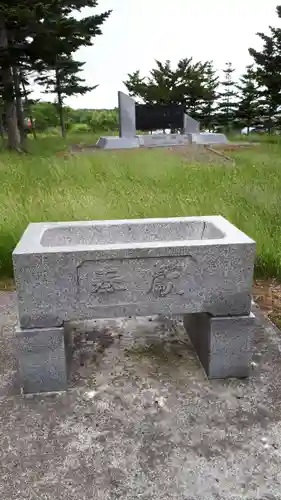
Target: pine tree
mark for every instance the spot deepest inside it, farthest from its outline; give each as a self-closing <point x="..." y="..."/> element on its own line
<point x="190" y="84"/>
<point x="7" y="84"/>
<point x="228" y="98"/>
<point x="33" y="33"/>
<point x="268" y="77"/>
<point x="185" y="85"/>
<point x="268" y="63"/>
<point x="249" y="101"/>
<point x="63" y="80"/>
<point x="137" y="86"/>
<point x="207" y="109"/>
<point x="17" y="21"/>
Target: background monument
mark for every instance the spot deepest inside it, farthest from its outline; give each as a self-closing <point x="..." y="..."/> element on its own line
<point x="127" y="115"/>
<point x="144" y="117"/>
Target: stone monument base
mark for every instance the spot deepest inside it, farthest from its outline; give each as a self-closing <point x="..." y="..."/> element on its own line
<point x="160" y="140"/>
<point x="115" y="142"/>
<point x="208" y="138"/>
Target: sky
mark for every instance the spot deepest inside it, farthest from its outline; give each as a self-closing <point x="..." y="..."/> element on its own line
<point x="140" y="31"/>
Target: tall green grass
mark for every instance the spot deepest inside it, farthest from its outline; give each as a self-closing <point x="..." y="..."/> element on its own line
<point x="43" y="186"/>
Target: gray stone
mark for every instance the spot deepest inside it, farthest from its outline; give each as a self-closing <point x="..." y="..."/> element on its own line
<point x="106" y="439"/>
<point x="146" y="140"/>
<point x="208" y="138"/>
<point x="223" y="345"/>
<point x="101" y="269"/>
<point x="162" y="140"/>
<point x="127" y="115"/>
<point x="41" y="357"/>
<point x="114" y="142"/>
<point x="190" y="126"/>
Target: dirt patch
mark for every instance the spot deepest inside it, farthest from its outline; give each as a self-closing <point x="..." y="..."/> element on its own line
<point x="199" y="153"/>
<point x="7" y="285"/>
<point x="267" y="294"/>
<point x="236" y="146"/>
<point x="217" y="154"/>
<point x="196" y="153"/>
<point x="83" y="148"/>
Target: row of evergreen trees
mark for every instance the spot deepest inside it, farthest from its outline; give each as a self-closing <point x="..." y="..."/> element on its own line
<point x="37" y="43"/>
<point x="254" y="100"/>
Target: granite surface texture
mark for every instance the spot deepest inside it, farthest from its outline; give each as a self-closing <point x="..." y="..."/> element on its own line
<point x="41" y="357"/>
<point x="127" y="115"/>
<point x="208" y="138"/>
<point x="190" y="125"/>
<point x="114" y="142"/>
<point x="140" y="419"/>
<point x="223" y="345"/>
<point x="203" y="264"/>
<point x="163" y="140"/>
<point x="160" y="140"/>
<point x="101" y="269"/>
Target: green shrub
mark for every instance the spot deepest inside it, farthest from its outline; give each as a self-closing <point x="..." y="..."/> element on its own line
<point x="80" y="127"/>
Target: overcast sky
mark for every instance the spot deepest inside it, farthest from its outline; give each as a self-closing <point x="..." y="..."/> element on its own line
<point x="140" y="31"/>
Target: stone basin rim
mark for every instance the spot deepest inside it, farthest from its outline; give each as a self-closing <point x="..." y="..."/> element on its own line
<point x="41" y="237"/>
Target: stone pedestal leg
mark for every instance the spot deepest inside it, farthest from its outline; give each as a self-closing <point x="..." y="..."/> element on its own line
<point x="41" y="356"/>
<point x="223" y="344"/>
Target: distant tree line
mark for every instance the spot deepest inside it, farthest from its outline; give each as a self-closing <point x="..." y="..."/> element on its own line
<point x="255" y="99"/>
<point x="38" y="41"/>
<point x="46" y="118"/>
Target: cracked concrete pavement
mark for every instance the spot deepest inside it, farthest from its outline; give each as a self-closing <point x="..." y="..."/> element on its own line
<point x="140" y="419"/>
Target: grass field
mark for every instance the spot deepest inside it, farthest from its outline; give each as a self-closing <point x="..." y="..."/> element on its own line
<point x="44" y="186"/>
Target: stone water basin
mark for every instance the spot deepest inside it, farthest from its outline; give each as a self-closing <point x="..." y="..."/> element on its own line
<point x="97" y="269"/>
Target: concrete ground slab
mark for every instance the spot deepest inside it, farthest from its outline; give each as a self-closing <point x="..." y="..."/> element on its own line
<point x="140" y="419"/>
